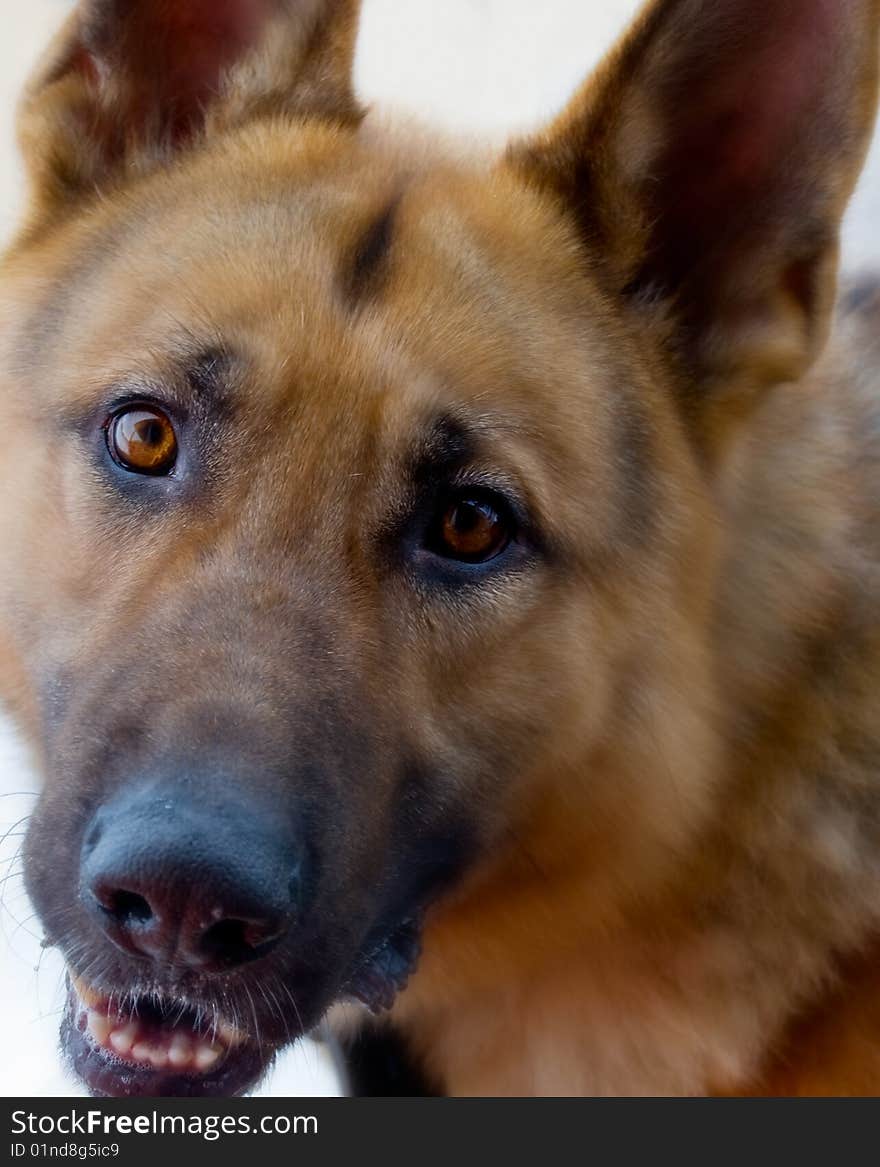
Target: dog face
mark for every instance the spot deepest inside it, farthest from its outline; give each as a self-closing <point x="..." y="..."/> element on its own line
<point x="359" y="522"/>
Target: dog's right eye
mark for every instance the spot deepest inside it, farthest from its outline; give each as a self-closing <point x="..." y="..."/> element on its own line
<point x="142" y="440"/>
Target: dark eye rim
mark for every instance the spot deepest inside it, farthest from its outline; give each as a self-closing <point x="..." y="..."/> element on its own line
<point x="130" y="405"/>
<point x="434" y="544"/>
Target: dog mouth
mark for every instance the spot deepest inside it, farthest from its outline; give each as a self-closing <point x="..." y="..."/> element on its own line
<point x="153" y="1046"/>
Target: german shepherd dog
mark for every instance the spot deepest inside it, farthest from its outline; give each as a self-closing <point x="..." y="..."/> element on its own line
<point x="442" y="592"/>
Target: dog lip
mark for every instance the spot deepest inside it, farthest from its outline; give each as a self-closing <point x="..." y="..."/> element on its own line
<point x="145" y="1052"/>
<point x="132" y="1053"/>
<point x="386" y="967"/>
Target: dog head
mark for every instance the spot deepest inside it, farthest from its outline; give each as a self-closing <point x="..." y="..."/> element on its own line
<point x="358" y="517"/>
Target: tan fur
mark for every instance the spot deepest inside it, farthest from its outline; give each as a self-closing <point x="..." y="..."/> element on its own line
<point x="681" y="889"/>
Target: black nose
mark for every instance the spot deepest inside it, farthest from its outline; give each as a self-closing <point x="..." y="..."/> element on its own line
<point x="189" y="885"/>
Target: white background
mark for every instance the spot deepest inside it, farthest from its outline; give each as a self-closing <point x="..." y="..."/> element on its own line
<point x="482" y="66"/>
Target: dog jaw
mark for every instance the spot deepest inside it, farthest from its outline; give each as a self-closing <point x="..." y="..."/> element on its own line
<point x="151" y="1046"/>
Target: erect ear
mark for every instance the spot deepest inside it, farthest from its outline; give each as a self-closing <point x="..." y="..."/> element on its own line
<point x="128" y="82"/>
<point x="709" y="163"/>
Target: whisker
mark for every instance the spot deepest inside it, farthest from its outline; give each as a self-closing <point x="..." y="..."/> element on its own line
<point x="250" y="998"/>
<point x="21" y="926"/>
<point x="9" y="833"/>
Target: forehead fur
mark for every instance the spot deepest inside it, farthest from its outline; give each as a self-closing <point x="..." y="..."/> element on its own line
<point x="263" y="233"/>
<point x="249" y="247"/>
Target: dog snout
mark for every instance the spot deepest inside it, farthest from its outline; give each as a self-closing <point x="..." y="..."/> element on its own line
<point x="184" y="885"/>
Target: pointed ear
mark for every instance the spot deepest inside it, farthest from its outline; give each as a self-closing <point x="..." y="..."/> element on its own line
<point x="129" y="82"/>
<point x="708" y="165"/>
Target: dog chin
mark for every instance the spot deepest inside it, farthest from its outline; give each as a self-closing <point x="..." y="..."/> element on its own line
<point x="125" y="1044"/>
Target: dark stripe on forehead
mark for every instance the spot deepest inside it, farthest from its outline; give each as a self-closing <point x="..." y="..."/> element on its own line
<point x="367" y="267"/>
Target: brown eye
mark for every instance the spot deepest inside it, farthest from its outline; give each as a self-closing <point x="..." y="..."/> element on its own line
<point x="473" y="530"/>
<point x="142" y="439"/>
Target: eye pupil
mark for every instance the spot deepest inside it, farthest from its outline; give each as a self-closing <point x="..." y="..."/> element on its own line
<point x="149" y="432"/>
<point x="141" y="439"/>
<point x="466" y="517"/>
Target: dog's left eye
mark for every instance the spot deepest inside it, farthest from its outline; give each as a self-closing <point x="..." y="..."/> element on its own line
<point x="472" y="528"/>
<point x="142" y="440"/>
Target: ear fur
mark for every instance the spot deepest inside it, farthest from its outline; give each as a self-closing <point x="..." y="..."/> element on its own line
<point x="708" y="165"/>
<point x="128" y="83"/>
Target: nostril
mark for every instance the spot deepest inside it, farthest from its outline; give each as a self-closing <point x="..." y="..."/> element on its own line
<point x="238" y="941"/>
<point x="126" y="907"/>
